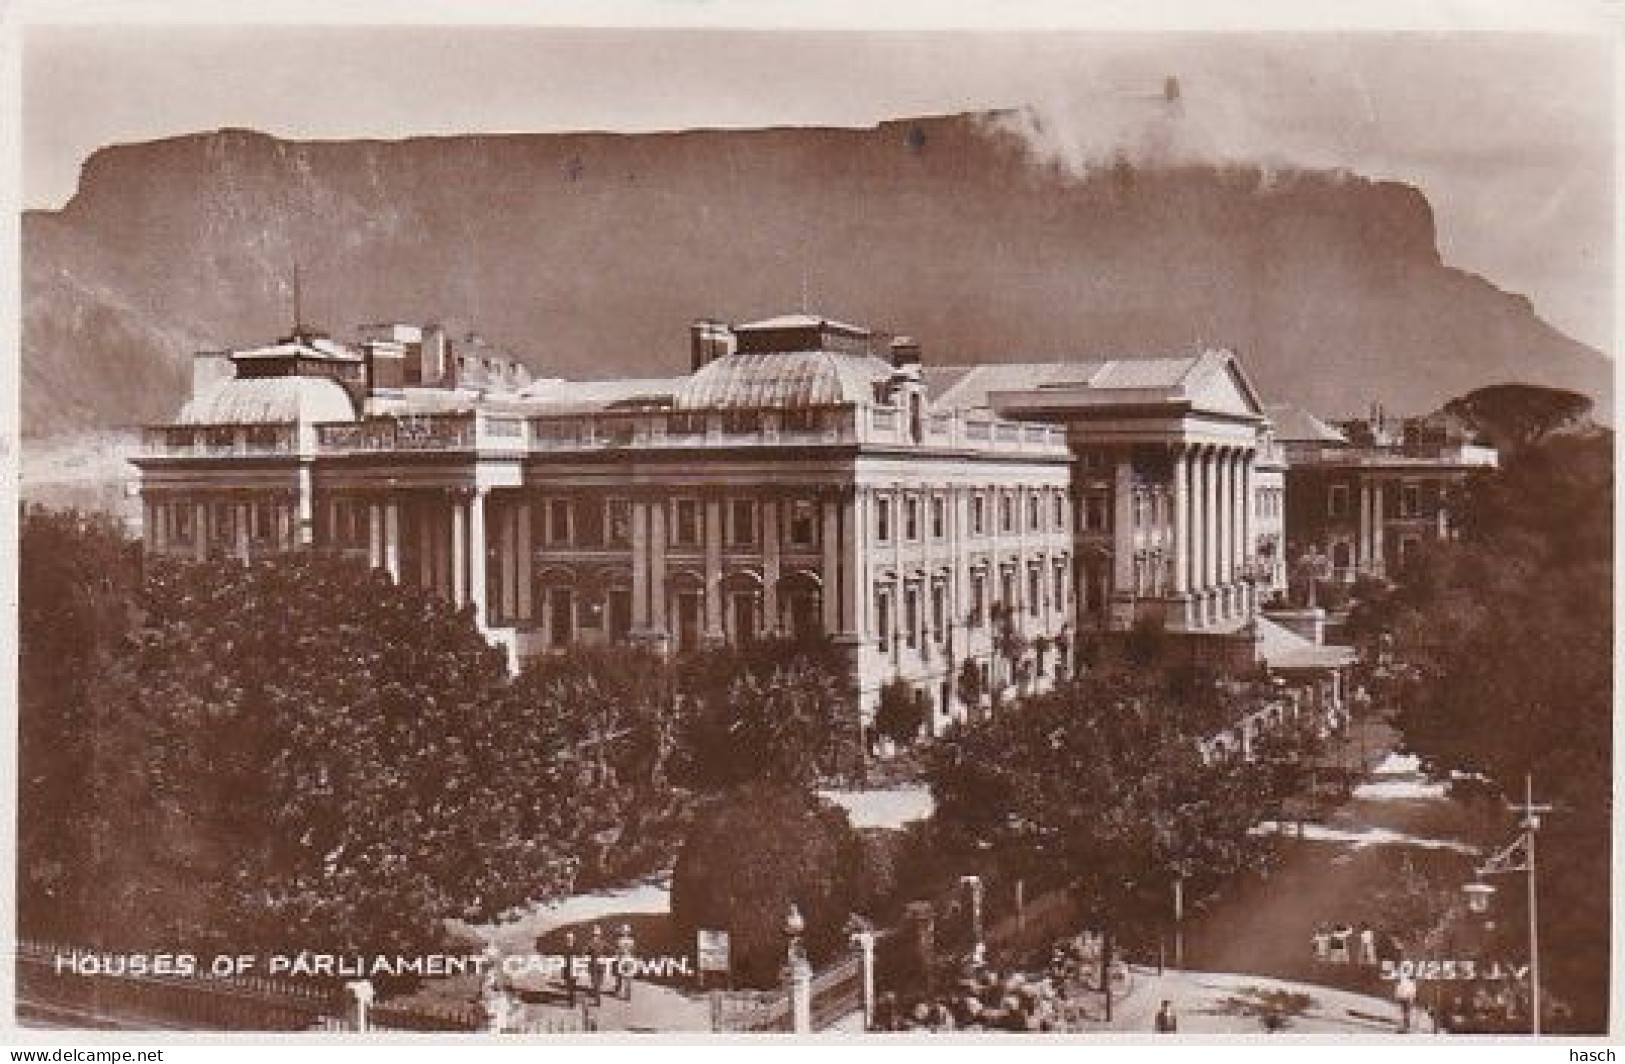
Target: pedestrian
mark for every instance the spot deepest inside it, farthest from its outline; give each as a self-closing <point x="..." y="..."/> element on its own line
<point x="1167" y="1022"/>
<point x="1368" y="946"/>
<point x="624" y="962"/>
<point x="595" y="967"/>
<point x="1322" y="940"/>
<point x="1405" y="994"/>
<point x="569" y="966"/>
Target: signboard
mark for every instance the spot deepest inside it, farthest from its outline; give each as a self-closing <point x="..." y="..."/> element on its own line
<point x="712" y="950"/>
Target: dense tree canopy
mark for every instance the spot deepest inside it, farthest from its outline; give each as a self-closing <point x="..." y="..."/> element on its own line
<point x="1503" y="647"/>
<point x="1514" y="416"/>
<point x="1103" y="780"/>
<point x="298" y="754"/>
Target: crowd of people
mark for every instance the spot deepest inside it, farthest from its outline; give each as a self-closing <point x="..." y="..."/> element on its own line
<point x="988" y="997"/>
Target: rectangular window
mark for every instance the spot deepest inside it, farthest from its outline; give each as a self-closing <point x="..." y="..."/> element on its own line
<point x="978" y="514"/>
<point x="1059" y="596"/>
<point x="939" y="517"/>
<point x="741" y="422"/>
<point x="803" y="524"/>
<point x="1337" y="501"/>
<point x="939" y="611"/>
<point x="911" y="518"/>
<point x="798" y="419"/>
<point x="686" y="532"/>
<point x="1007" y="512"/>
<point x="883" y="618"/>
<point x="743" y="524"/>
<point x="883" y="520"/>
<point x="911" y="616"/>
<point x="1410" y="500"/>
<point x="1034" y="590"/>
<point x="978" y="599"/>
<point x="1094" y="513"/>
<point x="589" y="523"/>
<point x="619" y="521"/>
<point x="685" y="425"/>
<point x="558" y="521"/>
<point x="1060" y="512"/>
<point x="181" y="518"/>
<point x="1034" y="516"/>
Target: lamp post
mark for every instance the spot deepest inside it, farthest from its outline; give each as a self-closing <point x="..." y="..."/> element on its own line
<point x="1504" y="862"/>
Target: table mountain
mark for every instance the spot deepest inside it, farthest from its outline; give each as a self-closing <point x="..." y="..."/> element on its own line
<point x="588" y="254"/>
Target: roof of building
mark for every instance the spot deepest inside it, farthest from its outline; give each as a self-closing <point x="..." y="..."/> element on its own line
<point x="558" y="396"/>
<point x="800" y="321"/>
<point x="1204" y="379"/>
<point x="268" y="400"/>
<point x="1280" y="647"/>
<point x="1293" y="424"/>
<point x="302" y="346"/>
<point x="783" y="379"/>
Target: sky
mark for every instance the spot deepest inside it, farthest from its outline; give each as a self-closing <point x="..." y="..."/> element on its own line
<point x="1511" y="135"/>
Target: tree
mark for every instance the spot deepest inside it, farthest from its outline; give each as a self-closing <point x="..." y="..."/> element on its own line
<point x="754" y="852"/>
<point x="1503" y="647"/>
<point x="1515" y="416"/>
<point x="770" y="711"/>
<point x="299" y="754"/>
<point x="1102" y="782"/>
<point x="902" y="712"/>
<point x="968" y="685"/>
<point x="76" y="586"/>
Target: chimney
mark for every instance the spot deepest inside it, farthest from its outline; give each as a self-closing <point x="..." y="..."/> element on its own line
<point x="905" y="357"/>
<point x="708" y="340"/>
<point x="434" y="356"/>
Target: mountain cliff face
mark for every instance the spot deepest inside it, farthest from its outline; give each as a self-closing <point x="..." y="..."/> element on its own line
<point x="588" y="254"/>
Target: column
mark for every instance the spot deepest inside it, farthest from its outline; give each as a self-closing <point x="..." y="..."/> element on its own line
<point x="1379" y="560"/>
<point x="459" y="551"/>
<point x="508" y="560"/>
<point x="1182" y="522"/>
<point x="305" y="518"/>
<point x="713" y="569"/>
<point x="770" y="566"/>
<point x="392" y="539"/>
<point x="854" y="586"/>
<point x="522" y="574"/>
<point x="640" y="565"/>
<point x="1245" y="502"/>
<point x="1123" y="525"/>
<point x="1197" y="468"/>
<point x="657" y="567"/>
<point x="831" y="573"/>
<point x="1210" y="520"/>
<point x="1362" y="544"/>
<point x="1224" y="519"/>
<point x="152" y="525"/>
<point x="241" y="510"/>
<point x="200" y="531"/>
<point x="375" y="536"/>
<point x="477" y="589"/>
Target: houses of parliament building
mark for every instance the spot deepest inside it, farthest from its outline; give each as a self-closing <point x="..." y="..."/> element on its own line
<point x="804" y="477"/>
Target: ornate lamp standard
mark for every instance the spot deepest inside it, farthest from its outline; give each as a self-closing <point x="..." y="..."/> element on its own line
<point x="798" y="973"/>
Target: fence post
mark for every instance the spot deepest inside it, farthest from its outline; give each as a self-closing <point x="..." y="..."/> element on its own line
<point x="865" y="941"/>
<point x="800" y="996"/>
<point x="361" y="990"/>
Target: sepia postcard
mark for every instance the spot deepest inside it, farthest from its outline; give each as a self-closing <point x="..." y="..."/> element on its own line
<point x="725" y="523"/>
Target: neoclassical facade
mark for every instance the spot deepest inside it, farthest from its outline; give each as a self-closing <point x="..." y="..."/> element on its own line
<point x="805" y="477"/>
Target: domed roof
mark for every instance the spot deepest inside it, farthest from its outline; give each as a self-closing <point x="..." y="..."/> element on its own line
<point x="783" y="379"/>
<point x="269" y="400"/>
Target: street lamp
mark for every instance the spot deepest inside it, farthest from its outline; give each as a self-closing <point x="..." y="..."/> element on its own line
<point x="1507" y="860"/>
